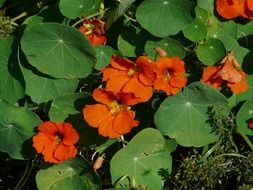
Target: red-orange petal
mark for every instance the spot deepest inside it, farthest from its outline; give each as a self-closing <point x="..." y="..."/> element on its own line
<point x="103" y="96"/>
<point x="40" y="140"/>
<point x="124" y="122"/>
<point x="110" y="72"/>
<point x="63" y="152"/>
<point x="116" y="83"/>
<point x="144" y="93"/>
<point x="239" y="87"/>
<point x="48" y="152"/>
<point x="70" y="135"/>
<point x="249" y="9"/>
<point x="94" y="114"/>
<point x="49" y="128"/>
<point x="178" y="81"/>
<point x="106" y="127"/>
<point x="228" y="9"/>
<point x="121" y="63"/>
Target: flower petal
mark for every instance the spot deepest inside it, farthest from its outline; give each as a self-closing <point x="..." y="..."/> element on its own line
<point x="40" y="140"/>
<point x="229" y="10"/>
<point x="121" y="63"/>
<point x="144" y="93"/>
<point x="70" y="135"/>
<point x="63" y="152"/>
<point x="124" y="122"/>
<point x="105" y="127"/>
<point x="116" y="83"/>
<point x="103" y="96"/>
<point x="49" y="128"/>
<point x="93" y="114"/>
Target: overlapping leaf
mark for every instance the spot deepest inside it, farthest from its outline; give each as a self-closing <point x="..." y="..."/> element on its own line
<point x="164" y="17"/>
<point x="145" y="162"/>
<point x="11" y="88"/>
<point x="58" y="50"/>
<point x="16" y="127"/>
<point x="71" y="174"/>
<point x="186" y="117"/>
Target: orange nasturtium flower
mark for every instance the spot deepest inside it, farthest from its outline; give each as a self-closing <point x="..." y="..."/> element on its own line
<point x="113" y="115"/>
<point x="170" y="75"/>
<point x="131" y="77"/>
<point x="235" y="8"/>
<point x="94" y="31"/>
<point x="55" y="141"/>
<point x="229" y="72"/>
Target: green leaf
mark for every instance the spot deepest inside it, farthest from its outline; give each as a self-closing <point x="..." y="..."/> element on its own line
<point x="65" y="105"/>
<point x="195" y="31"/>
<point x="145" y="162"/>
<point x="103" y="55"/>
<point x="69" y="108"/>
<point x="76" y="8"/>
<point x="211" y="51"/>
<point x="58" y="50"/>
<point x="2" y="2"/>
<point x="71" y="174"/>
<point x="245" y="29"/>
<point x="201" y="14"/>
<point x="130" y="44"/>
<point x="185" y="116"/>
<point x="242" y="118"/>
<point x="16" y="127"/>
<point x="171" y="46"/>
<point x="164" y="17"/>
<point x="207" y="5"/>
<point x="123" y="6"/>
<point x="42" y="88"/>
<point x="11" y="88"/>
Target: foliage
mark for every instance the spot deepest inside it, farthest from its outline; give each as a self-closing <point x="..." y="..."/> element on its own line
<point x="127" y="94"/>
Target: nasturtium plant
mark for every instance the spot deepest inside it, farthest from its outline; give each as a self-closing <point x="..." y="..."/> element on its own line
<point x="185" y="117"/>
<point x="75" y="173"/>
<point x="58" y="50"/>
<point x="140" y="161"/>
<point x="16" y="127"/>
<point x="126" y="94"/>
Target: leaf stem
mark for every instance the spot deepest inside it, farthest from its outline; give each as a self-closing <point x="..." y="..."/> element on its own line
<point x="23" y="14"/>
<point x="25" y="176"/>
<point x="209" y="152"/>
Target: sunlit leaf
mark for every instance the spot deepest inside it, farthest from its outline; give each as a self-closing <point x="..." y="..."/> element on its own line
<point x="75" y="8"/>
<point x="171" y="46"/>
<point x="103" y="55"/>
<point x="71" y="174"/>
<point x="211" y="51"/>
<point x="186" y="117"/>
<point x="144" y="162"/>
<point x="164" y="17"/>
<point x="58" y="50"/>
<point x="16" y="127"/>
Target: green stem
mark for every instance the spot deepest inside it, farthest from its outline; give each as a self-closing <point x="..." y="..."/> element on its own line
<point x="88" y="17"/>
<point x="229" y="154"/>
<point x="209" y="152"/>
<point x="246" y="139"/>
<point x="23" y="14"/>
<point x="25" y="176"/>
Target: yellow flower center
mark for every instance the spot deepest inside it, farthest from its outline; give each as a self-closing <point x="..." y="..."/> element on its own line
<point x="132" y="71"/>
<point x="57" y="139"/>
<point x="115" y="107"/>
<point x="167" y="75"/>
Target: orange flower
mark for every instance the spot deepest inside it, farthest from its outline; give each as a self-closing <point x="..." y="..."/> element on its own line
<point x="229" y="71"/>
<point x="55" y="141"/>
<point x="113" y="115"/>
<point x="170" y="75"/>
<point x="235" y="8"/>
<point x="130" y="77"/>
<point x="94" y="31"/>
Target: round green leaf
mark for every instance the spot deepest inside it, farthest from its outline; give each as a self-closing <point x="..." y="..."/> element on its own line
<point x="171" y="46"/>
<point x="242" y="118"/>
<point x="195" y="31"/>
<point x="71" y="174"/>
<point x="144" y="160"/>
<point x="42" y="88"/>
<point x="207" y="5"/>
<point x="185" y="116"/>
<point x="245" y="29"/>
<point x="16" y="127"/>
<point x="211" y="51"/>
<point x="75" y="8"/>
<point x="58" y="50"/>
<point x="201" y="14"/>
<point x="103" y="55"/>
<point x="164" y="17"/>
<point x="130" y="44"/>
<point x="11" y="88"/>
